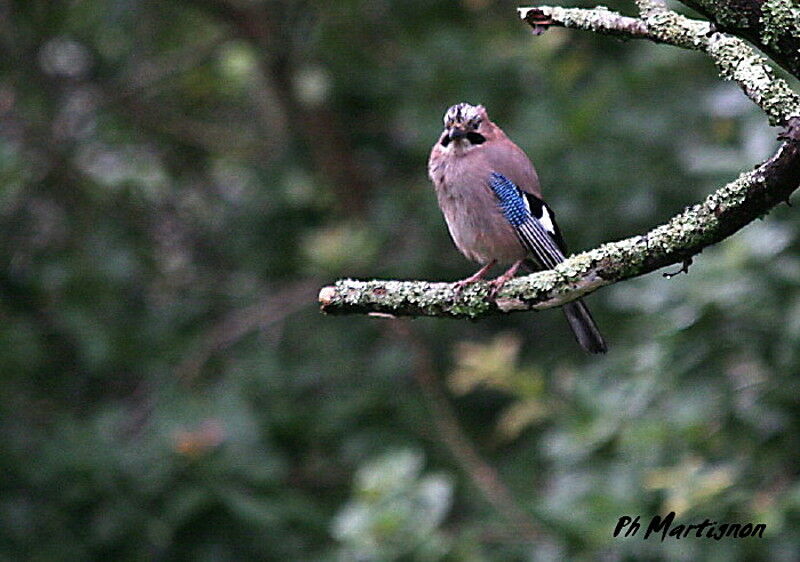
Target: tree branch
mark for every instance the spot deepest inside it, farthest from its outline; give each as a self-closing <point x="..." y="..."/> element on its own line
<point x="724" y="212"/>
<point x="772" y="25"/>
<point x="735" y="59"/>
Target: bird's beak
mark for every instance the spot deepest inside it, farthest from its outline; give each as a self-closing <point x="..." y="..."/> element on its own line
<point x="457" y="133"/>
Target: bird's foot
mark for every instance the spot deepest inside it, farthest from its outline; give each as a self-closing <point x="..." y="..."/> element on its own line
<point x="497" y="283"/>
<point x="472" y="279"/>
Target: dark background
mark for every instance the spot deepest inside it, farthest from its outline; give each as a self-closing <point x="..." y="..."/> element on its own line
<point x="179" y="177"/>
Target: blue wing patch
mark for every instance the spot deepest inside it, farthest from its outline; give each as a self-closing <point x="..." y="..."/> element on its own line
<point x="511" y="199"/>
<point x="532" y="233"/>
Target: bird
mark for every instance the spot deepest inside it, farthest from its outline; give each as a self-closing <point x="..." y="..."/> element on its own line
<point x="489" y="194"/>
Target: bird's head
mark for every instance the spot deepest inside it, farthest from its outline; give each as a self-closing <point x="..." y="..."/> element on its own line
<point x="466" y="126"/>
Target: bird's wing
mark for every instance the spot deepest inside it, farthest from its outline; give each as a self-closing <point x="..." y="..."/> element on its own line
<point x="532" y="221"/>
<point x="541" y="211"/>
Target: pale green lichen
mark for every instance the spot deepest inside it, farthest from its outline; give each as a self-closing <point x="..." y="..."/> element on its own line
<point x="649" y="7"/>
<point x="735" y="59"/>
<point x="599" y="19"/>
<point x="395" y="296"/>
<point x="779" y="18"/>
<point x="727" y="14"/>
<point x="738" y="62"/>
<point x="675" y="29"/>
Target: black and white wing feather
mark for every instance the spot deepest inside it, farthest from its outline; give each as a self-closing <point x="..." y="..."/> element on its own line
<point x="537" y="231"/>
<point x="532" y="220"/>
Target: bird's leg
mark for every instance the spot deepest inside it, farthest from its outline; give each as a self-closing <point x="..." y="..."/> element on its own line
<point x="477" y="276"/>
<point x="498" y="282"/>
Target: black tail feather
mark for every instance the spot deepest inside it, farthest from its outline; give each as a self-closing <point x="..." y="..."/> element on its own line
<point x="584" y="328"/>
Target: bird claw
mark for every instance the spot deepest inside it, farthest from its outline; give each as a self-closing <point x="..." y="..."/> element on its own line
<point x="497" y="283"/>
<point x="459" y="286"/>
<point x="472" y="279"/>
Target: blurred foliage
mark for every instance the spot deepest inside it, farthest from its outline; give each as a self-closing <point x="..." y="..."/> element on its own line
<point x="492" y="365"/>
<point x="394" y="512"/>
<point x="177" y="179"/>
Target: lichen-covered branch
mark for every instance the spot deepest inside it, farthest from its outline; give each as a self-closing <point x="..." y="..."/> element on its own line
<point x="724" y="212"/>
<point x="772" y="25"/>
<point x="735" y="59"/>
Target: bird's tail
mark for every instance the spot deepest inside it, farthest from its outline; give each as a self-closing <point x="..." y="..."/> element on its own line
<point x="584" y="328"/>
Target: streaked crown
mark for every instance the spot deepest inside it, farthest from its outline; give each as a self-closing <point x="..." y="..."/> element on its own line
<point x="464" y="114"/>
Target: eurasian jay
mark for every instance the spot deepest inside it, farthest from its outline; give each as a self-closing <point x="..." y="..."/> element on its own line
<point x="489" y="194"/>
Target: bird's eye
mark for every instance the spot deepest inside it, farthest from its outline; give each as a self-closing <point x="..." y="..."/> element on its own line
<point x="476" y="124"/>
